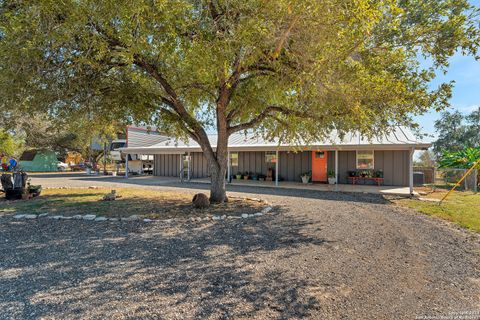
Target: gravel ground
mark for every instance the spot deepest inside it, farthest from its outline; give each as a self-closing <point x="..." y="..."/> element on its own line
<point x="320" y="255"/>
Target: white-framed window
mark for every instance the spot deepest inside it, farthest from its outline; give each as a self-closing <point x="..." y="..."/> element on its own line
<point x="270" y="157"/>
<point x="234" y="159"/>
<point x="365" y="159"/>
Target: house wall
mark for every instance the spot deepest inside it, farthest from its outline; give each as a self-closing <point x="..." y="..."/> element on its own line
<point x="167" y="165"/>
<point x="394" y="164"/>
<point x="199" y="165"/>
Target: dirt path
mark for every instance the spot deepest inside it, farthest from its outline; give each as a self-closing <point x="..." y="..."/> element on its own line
<point x="322" y="256"/>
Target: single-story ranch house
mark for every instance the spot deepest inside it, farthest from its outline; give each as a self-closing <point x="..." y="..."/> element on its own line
<point x="389" y="157"/>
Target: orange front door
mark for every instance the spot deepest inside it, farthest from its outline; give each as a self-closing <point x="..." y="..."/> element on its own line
<point x="319" y="165"/>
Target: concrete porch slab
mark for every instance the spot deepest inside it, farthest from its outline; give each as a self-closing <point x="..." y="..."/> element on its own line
<point x="387" y="190"/>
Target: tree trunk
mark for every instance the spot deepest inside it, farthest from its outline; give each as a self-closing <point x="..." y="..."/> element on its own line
<point x="218" y="191"/>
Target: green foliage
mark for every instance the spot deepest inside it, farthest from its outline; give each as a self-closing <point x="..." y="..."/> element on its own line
<point x="292" y="69"/>
<point x="457" y="131"/>
<point x="465" y="158"/>
<point x="8" y="145"/>
<point x="426" y="159"/>
<point x="40" y="131"/>
<point x="345" y="63"/>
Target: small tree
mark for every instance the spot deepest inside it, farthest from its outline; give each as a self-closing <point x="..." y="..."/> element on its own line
<point x="8" y="144"/>
<point x="292" y="69"/>
<point x="426" y="159"/>
<point x="457" y="131"/>
<point x="463" y="159"/>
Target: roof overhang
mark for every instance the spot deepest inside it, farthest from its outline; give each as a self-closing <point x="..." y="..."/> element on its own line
<point x="184" y="149"/>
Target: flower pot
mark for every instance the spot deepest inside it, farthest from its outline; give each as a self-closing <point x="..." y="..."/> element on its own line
<point x="305" y="179"/>
<point x="89" y="171"/>
<point x="332" y="180"/>
<point x="238" y="176"/>
<point x="114" y="174"/>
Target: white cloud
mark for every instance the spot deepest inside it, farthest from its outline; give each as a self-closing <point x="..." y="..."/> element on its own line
<point x="468" y="109"/>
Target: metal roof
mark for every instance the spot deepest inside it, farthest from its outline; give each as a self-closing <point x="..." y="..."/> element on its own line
<point x="399" y="138"/>
<point x="138" y="137"/>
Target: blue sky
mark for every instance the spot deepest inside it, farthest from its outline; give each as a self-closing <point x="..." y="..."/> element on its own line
<point x="465" y="71"/>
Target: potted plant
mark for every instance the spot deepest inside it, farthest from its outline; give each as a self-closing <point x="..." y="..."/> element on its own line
<point x="238" y="176"/>
<point x="332" y="177"/>
<point x="352" y="173"/>
<point x="246" y="175"/>
<point x="255" y="176"/>
<point x="378" y="174"/>
<point x="306" y="177"/>
<point x="261" y="177"/>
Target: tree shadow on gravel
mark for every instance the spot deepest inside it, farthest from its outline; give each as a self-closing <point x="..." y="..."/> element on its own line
<point x="231" y="269"/>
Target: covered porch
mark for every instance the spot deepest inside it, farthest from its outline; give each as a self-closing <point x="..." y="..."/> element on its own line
<point x="386" y="190"/>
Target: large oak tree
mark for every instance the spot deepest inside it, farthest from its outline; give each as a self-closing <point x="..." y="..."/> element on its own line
<point x="291" y="69"/>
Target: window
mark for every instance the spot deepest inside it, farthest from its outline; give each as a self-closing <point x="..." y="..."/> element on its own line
<point x="319" y="154"/>
<point x="270" y="157"/>
<point x="234" y="159"/>
<point x="365" y="159"/>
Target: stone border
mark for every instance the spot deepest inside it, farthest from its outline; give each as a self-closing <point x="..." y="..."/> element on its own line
<point x="92" y="217"/>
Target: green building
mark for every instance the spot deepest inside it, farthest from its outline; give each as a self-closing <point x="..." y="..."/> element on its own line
<point x="38" y="161"/>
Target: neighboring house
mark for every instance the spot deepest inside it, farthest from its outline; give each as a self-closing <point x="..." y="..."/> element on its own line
<point x="38" y="160"/>
<point x="390" y="153"/>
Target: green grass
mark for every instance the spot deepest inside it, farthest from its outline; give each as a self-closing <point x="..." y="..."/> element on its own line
<point x="144" y="202"/>
<point x="462" y="208"/>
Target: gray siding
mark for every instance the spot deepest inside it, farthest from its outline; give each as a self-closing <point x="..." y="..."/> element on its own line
<point x="199" y="165"/>
<point x="167" y="165"/>
<point x="346" y="162"/>
<point x="253" y="162"/>
<point x="331" y="161"/>
<point x="292" y="165"/>
<point x="394" y="164"/>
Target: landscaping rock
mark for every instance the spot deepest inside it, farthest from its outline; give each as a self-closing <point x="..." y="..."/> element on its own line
<point x="56" y="217"/>
<point x="89" y="217"/>
<point x="131" y="218"/>
<point x="66" y="218"/>
<point x="216" y="217"/>
<point x="41" y="215"/>
<point x="19" y="216"/>
<point x="113" y="219"/>
<point x="244" y="215"/>
<point x="147" y="220"/>
<point x="258" y="214"/>
<point x="77" y="217"/>
<point x="101" y="219"/>
<point x="200" y="201"/>
<point x="266" y="210"/>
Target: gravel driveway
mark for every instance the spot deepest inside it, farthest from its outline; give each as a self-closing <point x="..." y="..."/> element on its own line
<point x="321" y="255"/>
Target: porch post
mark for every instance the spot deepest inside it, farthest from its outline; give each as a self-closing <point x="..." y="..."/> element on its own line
<point x="126" y="166"/>
<point x="228" y="167"/>
<point x="336" y="169"/>
<point x="276" y="168"/>
<point x="188" y="168"/>
<point x="410" y="171"/>
<point x="181" y="168"/>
